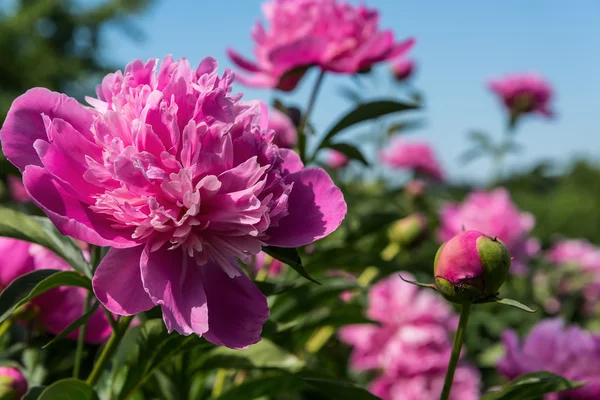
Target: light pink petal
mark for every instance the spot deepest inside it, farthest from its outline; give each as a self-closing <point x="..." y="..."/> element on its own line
<point x="15" y="260"/>
<point x="70" y="216"/>
<point x="291" y="161"/>
<point x="117" y="282"/>
<point x="174" y="281"/>
<point x="242" y="62"/>
<point x="24" y="124"/>
<point x="237" y="309"/>
<point x="316" y="208"/>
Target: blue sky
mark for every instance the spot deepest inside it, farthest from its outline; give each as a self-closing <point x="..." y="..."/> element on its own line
<point x="460" y="45"/>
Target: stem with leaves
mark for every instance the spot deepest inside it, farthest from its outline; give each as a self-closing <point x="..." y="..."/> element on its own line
<point x="305" y="118"/>
<point x="456" y="348"/>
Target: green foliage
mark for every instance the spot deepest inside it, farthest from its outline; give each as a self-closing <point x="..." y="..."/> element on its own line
<point x="532" y="387"/>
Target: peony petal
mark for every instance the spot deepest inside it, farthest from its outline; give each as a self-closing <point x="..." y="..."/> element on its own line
<point x="316" y="208"/>
<point x="24" y="124"/>
<point x="70" y="216"/>
<point x="173" y="281"/>
<point x="242" y="62"/>
<point x="117" y="282"/>
<point x="291" y="161"/>
<point x="301" y="53"/>
<point x="237" y="309"/>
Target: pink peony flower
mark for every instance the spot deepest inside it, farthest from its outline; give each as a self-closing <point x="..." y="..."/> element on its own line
<point x="403" y="69"/>
<point x="416" y="156"/>
<point x="494" y="214"/>
<point x="17" y="190"/>
<point x="412" y="343"/>
<point x="570" y="352"/>
<point x="285" y="131"/>
<point x="180" y="178"/>
<point x="262" y="260"/>
<point x="57" y="308"/>
<point x="13" y="384"/>
<point x="336" y="159"/>
<point x="524" y="93"/>
<point x="335" y="36"/>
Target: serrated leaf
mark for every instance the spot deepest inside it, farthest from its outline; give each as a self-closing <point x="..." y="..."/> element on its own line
<point x="349" y="151"/>
<point x="515" y="304"/>
<point x="68" y="389"/>
<point x="73" y="325"/>
<point x="532" y="387"/>
<point x="365" y="112"/>
<point x="30" y="285"/>
<point x="41" y="231"/>
<point x="290" y="257"/>
<point x="337" y="390"/>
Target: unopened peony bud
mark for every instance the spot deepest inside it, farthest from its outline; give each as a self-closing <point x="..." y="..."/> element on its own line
<point x="403" y="69"/>
<point x="409" y="230"/>
<point x="471" y="267"/>
<point x="12" y="384"/>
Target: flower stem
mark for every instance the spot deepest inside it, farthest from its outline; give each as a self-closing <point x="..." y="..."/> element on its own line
<point x="108" y="351"/>
<point x="305" y="118"/>
<point x="456" y="348"/>
<point x="81" y="338"/>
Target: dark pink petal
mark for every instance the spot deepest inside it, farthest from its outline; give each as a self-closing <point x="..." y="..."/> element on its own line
<point x="242" y="62"/>
<point x="117" y="282"/>
<point x="24" y="123"/>
<point x="301" y="53"/>
<point x="291" y="161"/>
<point x="174" y="281"/>
<point x="237" y="310"/>
<point x="316" y="208"/>
<point x="70" y="216"/>
<point x="400" y="48"/>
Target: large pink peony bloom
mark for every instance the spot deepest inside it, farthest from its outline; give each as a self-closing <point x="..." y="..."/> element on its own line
<point x="180" y="178"/>
<point x="415" y="156"/>
<point x="524" y="93"/>
<point x="494" y="214"/>
<point x="335" y="36"/>
<point x="412" y="343"/>
<point x="550" y="346"/>
<point x="285" y="131"/>
<point x="13" y="384"/>
<point x="57" y="308"/>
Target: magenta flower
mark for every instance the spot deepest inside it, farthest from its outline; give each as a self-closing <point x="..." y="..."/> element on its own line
<point x="180" y="178"/>
<point x="524" y="93"/>
<point x="411" y="343"/>
<point x="13" y="384"/>
<point x="285" y="131"/>
<point x="335" y="36"/>
<point x="57" y="308"/>
<point x="336" y="159"/>
<point x="403" y="69"/>
<point x="415" y="156"/>
<point x="570" y="352"/>
<point x="494" y="214"/>
<point x="262" y="261"/>
<point x="17" y="190"/>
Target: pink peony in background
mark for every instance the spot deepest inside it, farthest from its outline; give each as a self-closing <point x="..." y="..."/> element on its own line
<point x="568" y="351"/>
<point x="403" y="69"/>
<point x="59" y="307"/>
<point x="336" y="159"/>
<point x="494" y="214"/>
<point x="180" y="178"/>
<point x="331" y="34"/>
<point x="411" y="345"/>
<point x="285" y="131"/>
<point x="524" y="93"/>
<point x="414" y="156"/>
<point x="262" y="261"/>
<point x="13" y="384"/>
<point x="16" y="189"/>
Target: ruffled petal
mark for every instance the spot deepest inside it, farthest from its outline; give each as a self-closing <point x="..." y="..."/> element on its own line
<point x="316" y="208"/>
<point x="117" y="282"/>
<point x="291" y="161"/>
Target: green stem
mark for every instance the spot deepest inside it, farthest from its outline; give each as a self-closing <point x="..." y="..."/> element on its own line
<point x="81" y="338"/>
<point x="108" y="351"/>
<point x="456" y="348"/>
<point x="305" y="118"/>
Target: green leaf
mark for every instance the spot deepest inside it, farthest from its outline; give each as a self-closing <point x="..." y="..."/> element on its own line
<point x="400" y="127"/>
<point x="365" y="112"/>
<point x="515" y="304"/>
<point x="349" y="151"/>
<point x="68" y="389"/>
<point x="30" y="285"/>
<point x="265" y="385"/>
<point x="34" y="393"/>
<point x="264" y="354"/>
<point x="336" y="390"/>
<point x="73" y="325"/>
<point x="272" y="288"/>
<point x="41" y="231"/>
<point x="533" y="386"/>
<point x="290" y="257"/>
